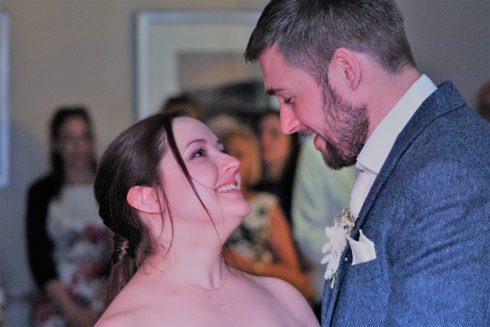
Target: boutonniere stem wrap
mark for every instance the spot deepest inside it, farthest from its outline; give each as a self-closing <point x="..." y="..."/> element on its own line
<point x="336" y="242"/>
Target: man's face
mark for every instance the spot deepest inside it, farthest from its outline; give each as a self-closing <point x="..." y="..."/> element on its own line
<point x="307" y="107"/>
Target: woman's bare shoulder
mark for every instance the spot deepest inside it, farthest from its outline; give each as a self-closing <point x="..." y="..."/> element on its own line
<point x="274" y="286"/>
<point x="126" y="312"/>
<point x="119" y="319"/>
<point x="128" y="308"/>
<point x="290" y="298"/>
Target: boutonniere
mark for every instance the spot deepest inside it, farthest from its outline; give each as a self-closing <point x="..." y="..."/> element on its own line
<point x="336" y="242"/>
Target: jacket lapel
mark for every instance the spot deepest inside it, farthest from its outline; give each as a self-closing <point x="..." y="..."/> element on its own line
<point x="446" y="98"/>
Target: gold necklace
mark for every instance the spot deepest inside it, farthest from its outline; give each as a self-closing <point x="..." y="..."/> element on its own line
<point x="156" y="268"/>
<point x="225" y="279"/>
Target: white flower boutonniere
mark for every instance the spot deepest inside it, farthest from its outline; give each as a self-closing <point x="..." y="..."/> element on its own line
<point x="336" y="242"/>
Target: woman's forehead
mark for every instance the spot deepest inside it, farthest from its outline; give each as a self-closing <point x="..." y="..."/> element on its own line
<point x="187" y="129"/>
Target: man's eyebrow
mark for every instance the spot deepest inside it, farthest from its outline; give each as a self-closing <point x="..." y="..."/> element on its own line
<point x="271" y="91"/>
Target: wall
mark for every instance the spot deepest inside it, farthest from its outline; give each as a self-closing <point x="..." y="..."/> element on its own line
<point x="70" y="51"/>
<point x="450" y="40"/>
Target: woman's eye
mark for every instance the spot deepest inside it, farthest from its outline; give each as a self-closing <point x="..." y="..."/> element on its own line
<point x="288" y="100"/>
<point x="199" y="153"/>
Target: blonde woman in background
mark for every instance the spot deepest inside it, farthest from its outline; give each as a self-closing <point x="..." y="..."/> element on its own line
<point x="263" y="244"/>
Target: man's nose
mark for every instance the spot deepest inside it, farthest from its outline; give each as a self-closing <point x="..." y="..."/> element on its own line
<point x="289" y="122"/>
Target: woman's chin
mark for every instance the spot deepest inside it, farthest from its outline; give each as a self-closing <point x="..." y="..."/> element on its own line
<point x="240" y="209"/>
<point x="247" y="208"/>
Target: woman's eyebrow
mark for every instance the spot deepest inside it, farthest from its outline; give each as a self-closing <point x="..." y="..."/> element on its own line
<point x="200" y="140"/>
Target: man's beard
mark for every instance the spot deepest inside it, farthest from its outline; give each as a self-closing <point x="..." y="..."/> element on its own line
<point x="350" y="126"/>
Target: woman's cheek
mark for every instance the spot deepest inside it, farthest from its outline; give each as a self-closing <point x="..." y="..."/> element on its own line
<point x="204" y="176"/>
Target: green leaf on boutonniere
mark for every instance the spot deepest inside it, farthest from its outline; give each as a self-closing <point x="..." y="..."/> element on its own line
<point x="332" y="281"/>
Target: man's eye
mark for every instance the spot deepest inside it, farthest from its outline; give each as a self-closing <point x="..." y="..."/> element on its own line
<point x="288" y="100"/>
<point x="199" y="153"/>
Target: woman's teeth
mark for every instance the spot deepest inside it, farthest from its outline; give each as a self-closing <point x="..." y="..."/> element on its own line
<point x="227" y="188"/>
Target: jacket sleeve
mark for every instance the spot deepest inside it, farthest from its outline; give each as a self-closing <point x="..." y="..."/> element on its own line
<point x="39" y="245"/>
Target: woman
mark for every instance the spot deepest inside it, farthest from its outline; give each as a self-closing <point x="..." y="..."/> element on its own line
<point x="279" y="153"/>
<point x="171" y="197"/>
<point x="67" y="244"/>
<point x="263" y="244"/>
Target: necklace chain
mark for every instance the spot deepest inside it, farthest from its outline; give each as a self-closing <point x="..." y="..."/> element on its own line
<point x="156" y="268"/>
<point x="227" y="272"/>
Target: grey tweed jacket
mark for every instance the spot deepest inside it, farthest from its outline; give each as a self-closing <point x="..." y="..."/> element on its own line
<point x="428" y="214"/>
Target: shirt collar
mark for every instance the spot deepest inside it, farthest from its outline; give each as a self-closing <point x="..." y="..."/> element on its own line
<point x="380" y="142"/>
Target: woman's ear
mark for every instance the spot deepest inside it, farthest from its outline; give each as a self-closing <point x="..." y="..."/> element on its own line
<point x="144" y="198"/>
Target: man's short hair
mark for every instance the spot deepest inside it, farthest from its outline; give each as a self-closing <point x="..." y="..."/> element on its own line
<point x="307" y="33"/>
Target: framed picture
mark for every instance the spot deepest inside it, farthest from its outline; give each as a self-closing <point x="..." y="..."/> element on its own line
<point x="195" y="52"/>
<point x="4" y="99"/>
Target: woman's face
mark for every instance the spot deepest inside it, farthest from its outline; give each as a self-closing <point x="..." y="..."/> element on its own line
<point x="75" y="144"/>
<point x="275" y="145"/>
<point x="214" y="174"/>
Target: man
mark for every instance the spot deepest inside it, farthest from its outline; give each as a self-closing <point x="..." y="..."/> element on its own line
<point x="418" y="248"/>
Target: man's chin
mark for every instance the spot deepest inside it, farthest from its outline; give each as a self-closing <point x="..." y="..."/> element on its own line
<point x="332" y="163"/>
<point x="335" y="160"/>
<point x="331" y="155"/>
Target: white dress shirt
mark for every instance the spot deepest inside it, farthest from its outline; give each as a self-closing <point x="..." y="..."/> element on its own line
<point x="379" y="144"/>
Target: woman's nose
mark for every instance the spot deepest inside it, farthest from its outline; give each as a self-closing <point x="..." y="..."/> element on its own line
<point x="231" y="163"/>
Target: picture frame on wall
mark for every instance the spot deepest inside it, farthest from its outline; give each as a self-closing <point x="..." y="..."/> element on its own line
<point x="4" y="99"/>
<point x="199" y="53"/>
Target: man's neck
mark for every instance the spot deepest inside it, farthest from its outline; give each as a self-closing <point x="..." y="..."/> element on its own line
<point x="387" y="91"/>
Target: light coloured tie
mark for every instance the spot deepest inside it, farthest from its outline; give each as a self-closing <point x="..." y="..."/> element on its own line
<point x="362" y="185"/>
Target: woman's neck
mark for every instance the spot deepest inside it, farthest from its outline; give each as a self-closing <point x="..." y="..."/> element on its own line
<point x="206" y="271"/>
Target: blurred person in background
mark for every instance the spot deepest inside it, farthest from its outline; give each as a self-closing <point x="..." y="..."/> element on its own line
<point x="3" y="304"/>
<point x="183" y="102"/>
<point x="263" y="244"/>
<point x="319" y="194"/>
<point x="279" y="155"/>
<point x="68" y="247"/>
<point x="222" y="123"/>
<point x="483" y="101"/>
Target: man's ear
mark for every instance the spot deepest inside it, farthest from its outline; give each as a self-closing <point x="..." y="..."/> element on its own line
<point x="345" y="67"/>
<point x="144" y="198"/>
